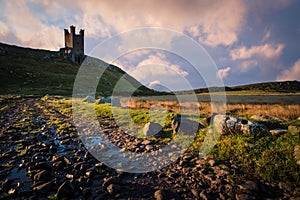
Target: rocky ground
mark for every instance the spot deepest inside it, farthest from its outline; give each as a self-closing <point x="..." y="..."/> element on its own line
<point x="39" y="163"/>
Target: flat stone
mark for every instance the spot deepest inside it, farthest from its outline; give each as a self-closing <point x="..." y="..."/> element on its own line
<point x="146" y="142"/>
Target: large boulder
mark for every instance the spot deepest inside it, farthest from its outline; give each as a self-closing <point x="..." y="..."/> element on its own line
<point x="112" y="101"/>
<point x="184" y="125"/>
<point x="151" y="129"/>
<point x="89" y="99"/>
<point x="225" y="125"/>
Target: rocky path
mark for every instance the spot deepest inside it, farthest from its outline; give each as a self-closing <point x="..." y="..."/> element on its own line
<point x="39" y="163"/>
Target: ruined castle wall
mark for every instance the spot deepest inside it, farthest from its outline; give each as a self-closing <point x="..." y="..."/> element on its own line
<point x="78" y="45"/>
<point x="68" y="39"/>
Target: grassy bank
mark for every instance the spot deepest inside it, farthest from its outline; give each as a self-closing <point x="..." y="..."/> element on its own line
<point x="265" y="156"/>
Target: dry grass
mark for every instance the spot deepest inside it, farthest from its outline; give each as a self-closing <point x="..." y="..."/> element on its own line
<point x="287" y="112"/>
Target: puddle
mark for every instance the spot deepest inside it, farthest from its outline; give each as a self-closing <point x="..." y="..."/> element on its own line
<point x="19" y="177"/>
<point x="108" y="153"/>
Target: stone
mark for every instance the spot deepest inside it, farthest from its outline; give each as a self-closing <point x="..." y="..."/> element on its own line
<point x="212" y="163"/>
<point x="146" y="142"/>
<point x="250" y="186"/>
<point x="148" y="147"/>
<point x="184" y="125"/>
<point x="294" y="129"/>
<point x="160" y="195"/>
<point x="44" y="188"/>
<point x="89" y="99"/>
<point x="113" y="189"/>
<point x="225" y="125"/>
<point x="66" y="189"/>
<point x="278" y="131"/>
<point x="12" y="191"/>
<point x="151" y="129"/>
<point x="104" y="100"/>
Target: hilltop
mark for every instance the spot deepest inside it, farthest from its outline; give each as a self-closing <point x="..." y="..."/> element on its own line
<point x="257" y="88"/>
<point x="39" y="72"/>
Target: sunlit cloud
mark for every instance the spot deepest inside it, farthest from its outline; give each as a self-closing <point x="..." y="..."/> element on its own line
<point x="222" y="73"/>
<point x="265" y="50"/>
<point x="290" y="74"/>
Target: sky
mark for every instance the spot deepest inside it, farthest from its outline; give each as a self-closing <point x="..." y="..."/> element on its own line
<point x="248" y="41"/>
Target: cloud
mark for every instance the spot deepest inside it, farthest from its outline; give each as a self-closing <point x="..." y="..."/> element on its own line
<point x="3" y="29"/>
<point x="211" y="23"/>
<point x="157" y="69"/>
<point x="156" y="66"/>
<point x="154" y="83"/>
<point x="246" y="65"/>
<point x="266" y="36"/>
<point x="222" y="73"/>
<point x="266" y="50"/>
<point x="293" y="73"/>
<point x="219" y="22"/>
<point x="28" y="29"/>
<point x="94" y="25"/>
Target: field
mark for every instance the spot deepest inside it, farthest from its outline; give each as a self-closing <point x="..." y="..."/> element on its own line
<point x="238" y="166"/>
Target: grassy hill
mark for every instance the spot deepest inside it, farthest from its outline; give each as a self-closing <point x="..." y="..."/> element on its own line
<point x="39" y="72"/>
<point x="257" y="88"/>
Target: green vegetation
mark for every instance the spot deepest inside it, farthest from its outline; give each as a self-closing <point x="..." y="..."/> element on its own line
<point x="39" y="72"/>
<point x="264" y="156"/>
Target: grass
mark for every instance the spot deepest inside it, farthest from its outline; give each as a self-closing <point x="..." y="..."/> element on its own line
<point x="40" y="72"/>
<point x="265" y="156"/>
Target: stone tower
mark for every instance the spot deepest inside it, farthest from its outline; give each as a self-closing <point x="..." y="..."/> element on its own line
<point x="74" y="44"/>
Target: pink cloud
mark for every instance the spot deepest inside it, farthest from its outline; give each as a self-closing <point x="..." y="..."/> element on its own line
<point x="266" y="50"/>
<point x="293" y="73"/>
<point x="222" y="73"/>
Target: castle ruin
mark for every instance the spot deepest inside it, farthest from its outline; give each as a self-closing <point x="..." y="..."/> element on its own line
<point x="74" y="45"/>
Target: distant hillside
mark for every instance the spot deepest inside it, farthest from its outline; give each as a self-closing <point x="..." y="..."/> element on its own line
<point x="282" y="87"/>
<point x="286" y="86"/>
<point x="40" y="72"/>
